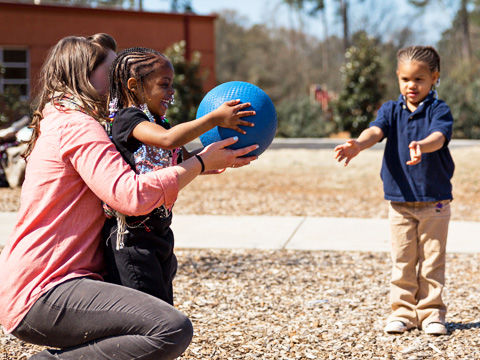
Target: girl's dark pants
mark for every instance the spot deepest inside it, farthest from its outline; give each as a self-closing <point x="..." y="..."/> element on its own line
<point x="147" y="261"/>
<point x="91" y="319"/>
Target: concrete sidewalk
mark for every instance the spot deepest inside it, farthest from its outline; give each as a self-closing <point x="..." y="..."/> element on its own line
<point x="290" y="232"/>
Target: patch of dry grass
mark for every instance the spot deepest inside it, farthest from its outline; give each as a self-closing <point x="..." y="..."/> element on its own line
<point x="311" y="183"/>
<point x="305" y="182"/>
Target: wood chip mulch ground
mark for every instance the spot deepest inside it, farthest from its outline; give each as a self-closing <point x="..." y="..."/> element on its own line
<point x="264" y="304"/>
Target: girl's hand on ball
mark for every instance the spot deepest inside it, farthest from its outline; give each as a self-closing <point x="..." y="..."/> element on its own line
<point x="237" y="118"/>
<point x="217" y="157"/>
<point x="229" y="115"/>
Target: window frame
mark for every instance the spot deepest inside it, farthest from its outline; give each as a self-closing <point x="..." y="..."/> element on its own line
<point x="18" y="65"/>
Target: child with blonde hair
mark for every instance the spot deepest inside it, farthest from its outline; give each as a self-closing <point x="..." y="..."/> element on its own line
<point x="416" y="172"/>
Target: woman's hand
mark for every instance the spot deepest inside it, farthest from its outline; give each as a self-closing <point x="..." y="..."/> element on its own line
<point x="229" y="113"/>
<point x="217" y="157"/>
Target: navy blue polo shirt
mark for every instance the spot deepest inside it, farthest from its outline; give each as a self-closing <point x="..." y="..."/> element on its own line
<point x="430" y="179"/>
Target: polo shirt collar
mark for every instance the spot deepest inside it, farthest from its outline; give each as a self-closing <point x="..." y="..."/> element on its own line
<point x="432" y="96"/>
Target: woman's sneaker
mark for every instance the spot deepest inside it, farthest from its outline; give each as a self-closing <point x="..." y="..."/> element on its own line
<point x="395" y="327"/>
<point x="436" y="328"/>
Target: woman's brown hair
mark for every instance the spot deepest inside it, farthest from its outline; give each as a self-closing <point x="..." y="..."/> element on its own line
<point x="66" y="72"/>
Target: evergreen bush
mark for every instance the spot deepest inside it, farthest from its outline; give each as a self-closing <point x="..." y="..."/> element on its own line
<point x="303" y="117"/>
<point x="362" y="90"/>
<point x="187" y="82"/>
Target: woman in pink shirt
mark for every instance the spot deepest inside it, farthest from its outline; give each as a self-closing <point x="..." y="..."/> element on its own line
<point x="52" y="291"/>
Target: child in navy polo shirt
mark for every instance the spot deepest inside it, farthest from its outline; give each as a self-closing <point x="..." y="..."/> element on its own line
<point x="416" y="172"/>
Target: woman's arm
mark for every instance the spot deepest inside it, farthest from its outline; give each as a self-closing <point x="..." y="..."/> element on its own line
<point x="87" y="147"/>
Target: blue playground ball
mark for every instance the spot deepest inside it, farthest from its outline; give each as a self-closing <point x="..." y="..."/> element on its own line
<point x="265" y="119"/>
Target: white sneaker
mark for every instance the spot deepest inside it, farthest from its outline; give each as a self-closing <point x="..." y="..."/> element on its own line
<point x="436" y="328"/>
<point x="395" y="327"/>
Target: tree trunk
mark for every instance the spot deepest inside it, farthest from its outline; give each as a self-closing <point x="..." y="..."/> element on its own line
<point x="466" y="44"/>
<point x="344" y="14"/>
<point x="326" y="50"/>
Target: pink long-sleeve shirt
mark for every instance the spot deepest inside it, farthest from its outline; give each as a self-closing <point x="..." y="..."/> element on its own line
<point x="72" y="168"/>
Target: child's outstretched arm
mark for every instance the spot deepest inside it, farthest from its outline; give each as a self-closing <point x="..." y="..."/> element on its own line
<point x="431" y="143"/>
<point x="226" y="115"/>
<point x="352" y="147"/>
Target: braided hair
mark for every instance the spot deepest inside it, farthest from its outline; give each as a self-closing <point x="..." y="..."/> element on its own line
<point x="138" y="63"/>
<point x="425" y="54"/>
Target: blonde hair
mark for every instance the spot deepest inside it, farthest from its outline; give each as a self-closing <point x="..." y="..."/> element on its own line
<point x="67" y="71"/>
<point x="425" y="54"/>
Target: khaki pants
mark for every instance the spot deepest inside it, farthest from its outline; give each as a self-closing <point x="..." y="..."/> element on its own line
<point x="419" y="239"/>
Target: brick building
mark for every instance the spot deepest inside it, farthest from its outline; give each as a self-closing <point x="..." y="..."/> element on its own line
<point x="28" y="31"/>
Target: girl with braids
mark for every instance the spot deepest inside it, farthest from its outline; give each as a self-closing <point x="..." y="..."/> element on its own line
<point x="416" y="172"/>
<point x="51" y="268"/>
<point x="139" y="249"/>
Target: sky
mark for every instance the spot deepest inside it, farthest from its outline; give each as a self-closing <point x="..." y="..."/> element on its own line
<point x="389" y="14"/>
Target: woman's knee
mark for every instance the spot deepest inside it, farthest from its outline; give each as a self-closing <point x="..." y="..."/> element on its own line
<point x="185" y="331"/>
<point x="177" y="337"/>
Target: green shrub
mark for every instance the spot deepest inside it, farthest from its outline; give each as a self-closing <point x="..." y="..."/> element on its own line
<point x="362" y="87"/>
<point x="464" y="102"/>
<point x="187" y="82"/>
<point x="302" y="117"/>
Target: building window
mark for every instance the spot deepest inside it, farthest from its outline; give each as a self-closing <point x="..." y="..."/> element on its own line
<point x="16" y="72"/>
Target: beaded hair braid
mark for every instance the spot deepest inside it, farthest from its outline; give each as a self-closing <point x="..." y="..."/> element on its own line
<point x="134" y="62"/>
<point x="425" y="54"/>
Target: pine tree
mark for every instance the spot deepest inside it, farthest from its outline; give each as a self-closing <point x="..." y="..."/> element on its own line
<point x="362" y="87"/>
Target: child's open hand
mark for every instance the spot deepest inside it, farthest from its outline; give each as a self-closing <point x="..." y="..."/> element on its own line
<point x="415" y="153"/>
<point x="229" y="114"/>
<point x="347" y="151"/>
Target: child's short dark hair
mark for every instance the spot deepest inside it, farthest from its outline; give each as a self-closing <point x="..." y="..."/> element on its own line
<point x="426" y="54"/>
<point x="136" y="62"/>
